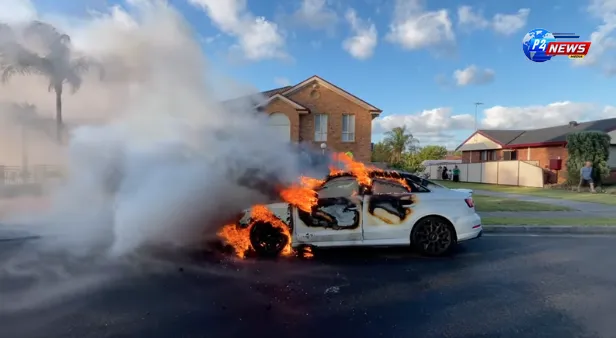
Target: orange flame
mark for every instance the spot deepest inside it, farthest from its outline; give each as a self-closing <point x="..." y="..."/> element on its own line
<point x="357" y="169"/>
<point x="239" y="237"/>
<point x="307" y="253"/>
<point x="310" y="182"/>
<point x="301" y="197"/>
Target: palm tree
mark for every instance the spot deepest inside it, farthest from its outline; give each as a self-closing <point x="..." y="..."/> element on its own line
<point x="57" y="65"/>
<point x="399" y="142"/>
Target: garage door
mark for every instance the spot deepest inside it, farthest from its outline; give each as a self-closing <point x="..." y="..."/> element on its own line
<point x="280" y="126"/>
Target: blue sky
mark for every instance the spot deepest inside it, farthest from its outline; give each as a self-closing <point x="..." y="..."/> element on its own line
<point x="411" y="74"/>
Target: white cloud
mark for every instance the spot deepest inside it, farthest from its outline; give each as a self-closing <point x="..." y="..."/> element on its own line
<point x="429" y="126"/>
<point x="362" y="44"/>
<point x="467" y="17"/>
<point x="257" y="38"/>
<point x="282" y="81"/>
<point x="472" y="75"/>
<point x="540" y="116"/>
<point x="316" y="15"/>
<point x="442" y="126"/>
<point x="603" y="40"/>
<point x="414" y="28"/>
<point x="505" y="24"/>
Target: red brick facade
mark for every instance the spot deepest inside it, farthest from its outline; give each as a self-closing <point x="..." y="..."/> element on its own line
<point x="321" y="99"/>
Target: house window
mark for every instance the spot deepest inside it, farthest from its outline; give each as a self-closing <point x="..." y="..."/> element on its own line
<point x="510" y="155"/>
<point x="488" y="155"/>
<point x="320" y="127"/>
<point x="348" y="128"/>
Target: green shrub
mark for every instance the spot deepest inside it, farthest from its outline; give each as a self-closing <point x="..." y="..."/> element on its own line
<point x="593" y="146"/>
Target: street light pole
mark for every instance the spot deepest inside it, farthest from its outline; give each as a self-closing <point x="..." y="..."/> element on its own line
<point x="477" y="104"/>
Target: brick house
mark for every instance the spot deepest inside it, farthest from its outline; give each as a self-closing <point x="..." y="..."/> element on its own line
<point x="318" y="112"/>
<point x="538" y="145"/>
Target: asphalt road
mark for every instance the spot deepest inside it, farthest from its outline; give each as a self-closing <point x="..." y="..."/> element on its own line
<point x="497" y="286"/>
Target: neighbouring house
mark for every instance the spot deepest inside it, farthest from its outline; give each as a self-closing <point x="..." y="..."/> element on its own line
<point x="535" y="145"/>
<point x="322" y="114"/>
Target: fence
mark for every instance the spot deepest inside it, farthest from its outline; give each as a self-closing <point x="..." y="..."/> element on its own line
<point x="520" y="173"/>
<point x="12" y="175"/>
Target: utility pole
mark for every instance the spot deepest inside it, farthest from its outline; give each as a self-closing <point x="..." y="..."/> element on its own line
<point x="477" y="104"/>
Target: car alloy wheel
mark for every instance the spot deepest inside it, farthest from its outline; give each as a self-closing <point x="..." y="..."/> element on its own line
<point x="267" y="240"/>
<point x="433" y="236"/>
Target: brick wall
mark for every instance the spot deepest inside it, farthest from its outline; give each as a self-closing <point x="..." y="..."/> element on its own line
<point x="330" y="103"/>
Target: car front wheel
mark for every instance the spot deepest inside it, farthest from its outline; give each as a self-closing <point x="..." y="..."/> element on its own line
<point x="267" y="240"/>
<point x="433" y="236"/>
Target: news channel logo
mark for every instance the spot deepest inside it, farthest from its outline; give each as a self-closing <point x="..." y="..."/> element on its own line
<point x="535" y="44"/>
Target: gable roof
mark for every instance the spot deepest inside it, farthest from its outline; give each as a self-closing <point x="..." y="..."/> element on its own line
<point x="284" y="92"/>
<point x="272" y="92"/>
<point x="558" y="134"/>
<point x="501" y="137"/>
<point x="544" y="136"/>
<point x="333" y="87"/>
<point x="295" y="105"/>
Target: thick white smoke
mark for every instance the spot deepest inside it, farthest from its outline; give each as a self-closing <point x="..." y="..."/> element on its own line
<point x="169" y="162"/>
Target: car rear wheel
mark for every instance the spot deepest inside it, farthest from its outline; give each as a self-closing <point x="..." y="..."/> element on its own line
<point x="267" y="240"/>
<point x="433" y="236"/>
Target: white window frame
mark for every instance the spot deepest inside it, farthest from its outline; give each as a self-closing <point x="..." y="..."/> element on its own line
<point x="320" y="134"/>
<point x="348" y="129"/>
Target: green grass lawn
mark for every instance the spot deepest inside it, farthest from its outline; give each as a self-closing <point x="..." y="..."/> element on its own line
<point x="489" y="203"/>
<point x="547" y="221"/>
<point x="584" y="196"/>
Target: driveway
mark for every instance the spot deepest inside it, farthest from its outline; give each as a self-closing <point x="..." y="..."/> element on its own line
<point x="496" y="286"/>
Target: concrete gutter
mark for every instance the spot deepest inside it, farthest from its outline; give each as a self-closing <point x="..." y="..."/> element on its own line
<point x="552" y="229"/>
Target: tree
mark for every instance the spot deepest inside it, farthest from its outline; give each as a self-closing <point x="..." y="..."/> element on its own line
<point x="593" y="146"/>
<point x="432" y="152"/>
<point x="399" y="142"/>
<point x="57" y="65"/>
<point x="381" y="152"/>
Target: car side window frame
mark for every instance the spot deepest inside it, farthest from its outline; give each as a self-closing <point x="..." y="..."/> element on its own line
<point x="420" y="188"/>
<point x="359" y="189"/>
<point x="384" y="181"/>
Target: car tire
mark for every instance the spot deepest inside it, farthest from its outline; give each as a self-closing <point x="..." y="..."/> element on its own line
<point x="433" y="236"/>
<point x="267" y="240"/>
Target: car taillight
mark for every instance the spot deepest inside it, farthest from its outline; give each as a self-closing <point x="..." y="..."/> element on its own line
<point x="469" y="202"/>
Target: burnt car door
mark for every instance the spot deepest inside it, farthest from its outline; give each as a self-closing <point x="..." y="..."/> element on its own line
<point x="389" y="210"/>
<point x="336" y="217"/>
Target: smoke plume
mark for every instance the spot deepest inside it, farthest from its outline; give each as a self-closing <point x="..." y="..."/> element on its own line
<point x="157" y="157"/>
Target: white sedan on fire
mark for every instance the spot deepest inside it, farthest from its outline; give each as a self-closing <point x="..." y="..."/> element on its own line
<point x="393" y="210"/>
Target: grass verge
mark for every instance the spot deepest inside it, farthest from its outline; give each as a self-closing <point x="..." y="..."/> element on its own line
<point x="584" y="196"/>
<point x="548" y="221"/>
<point x="489" y="204"/>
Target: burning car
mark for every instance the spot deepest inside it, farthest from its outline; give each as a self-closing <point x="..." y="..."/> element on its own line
<point x="357" y="207"/>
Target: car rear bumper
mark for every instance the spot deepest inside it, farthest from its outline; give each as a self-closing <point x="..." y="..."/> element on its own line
<point x="468" y="227"/>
